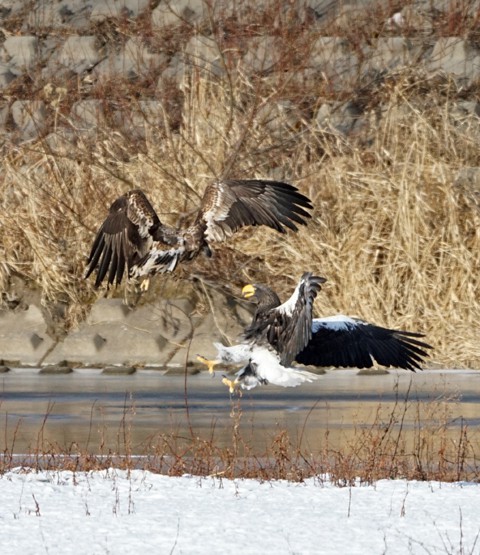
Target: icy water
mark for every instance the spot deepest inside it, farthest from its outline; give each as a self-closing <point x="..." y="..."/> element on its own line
<point x="87" y="410"/>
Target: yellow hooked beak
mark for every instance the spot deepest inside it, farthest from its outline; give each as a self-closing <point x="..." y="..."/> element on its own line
<point x="248" y="291"/>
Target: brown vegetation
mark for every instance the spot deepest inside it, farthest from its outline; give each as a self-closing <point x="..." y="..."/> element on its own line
<point x="396" y="235"/>
<point x="414" y="439"/>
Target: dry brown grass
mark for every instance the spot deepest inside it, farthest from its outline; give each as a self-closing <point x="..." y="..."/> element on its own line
<point x="397" y="239"/>
<point x="412" y="439"/>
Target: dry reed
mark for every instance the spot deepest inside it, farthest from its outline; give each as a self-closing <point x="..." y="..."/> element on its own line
<point x="397" y="236"/>
<point x="412" y="439"/>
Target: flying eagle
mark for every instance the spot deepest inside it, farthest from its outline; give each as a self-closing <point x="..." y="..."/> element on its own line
<point x="133" y="238"/>
<point x="281" y="334"/>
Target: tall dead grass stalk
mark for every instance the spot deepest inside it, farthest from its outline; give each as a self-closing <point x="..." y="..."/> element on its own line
<point x="396" y="236"/>
<point x="432" y="446"/>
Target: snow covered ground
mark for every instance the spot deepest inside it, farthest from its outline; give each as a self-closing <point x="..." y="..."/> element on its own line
<point x="112" y="512"/>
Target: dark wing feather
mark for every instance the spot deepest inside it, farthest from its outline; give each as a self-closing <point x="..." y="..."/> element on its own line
<point x="123" y="237"/>
<point x="288" y="327"/>
<point x="357" y="344"/>
<point x="229" y="205"/>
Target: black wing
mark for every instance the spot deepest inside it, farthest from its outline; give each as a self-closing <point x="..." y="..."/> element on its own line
<point x="123" y="238"/>
<point x="288" y="327"/>
<point x="229" y="205"/>
<point x="341" y="341"/>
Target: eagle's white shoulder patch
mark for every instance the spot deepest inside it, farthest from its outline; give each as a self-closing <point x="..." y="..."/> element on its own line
<point x="339" y="322"/>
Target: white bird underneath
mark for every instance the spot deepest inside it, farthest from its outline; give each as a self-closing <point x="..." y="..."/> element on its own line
<point x="262" y="366"/>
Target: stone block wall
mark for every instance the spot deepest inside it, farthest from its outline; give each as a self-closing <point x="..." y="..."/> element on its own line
<point x="165" y="333"/>
<point x="79" y="45"/>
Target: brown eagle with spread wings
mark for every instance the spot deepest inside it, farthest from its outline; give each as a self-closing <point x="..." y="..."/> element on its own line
<point x="133" y="238"/>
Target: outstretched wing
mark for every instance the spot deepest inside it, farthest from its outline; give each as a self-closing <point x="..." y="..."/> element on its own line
<point x="348" y="342"/>
<point x="123" y="238"/>
<point x="288" y="327"/>
<point x="229" y="205"/>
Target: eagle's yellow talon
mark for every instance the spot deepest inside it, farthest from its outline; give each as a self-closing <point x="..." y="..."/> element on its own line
<point x="231" y="384"/>
<point x="210" y="363"/>
<point x="145" y="284"/>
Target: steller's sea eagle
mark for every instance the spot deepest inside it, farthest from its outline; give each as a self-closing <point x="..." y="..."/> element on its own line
<point x="281" y="334"/>
<point x="133" y="238"/>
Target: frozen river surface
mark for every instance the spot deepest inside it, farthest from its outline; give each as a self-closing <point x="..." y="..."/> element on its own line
<point x="89" y="409"/>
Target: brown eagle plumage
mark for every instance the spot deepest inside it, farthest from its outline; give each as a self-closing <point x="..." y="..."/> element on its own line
<point x="132" y="238"/>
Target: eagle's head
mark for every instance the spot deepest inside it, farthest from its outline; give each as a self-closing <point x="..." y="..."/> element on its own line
<point x="265" y="297"/>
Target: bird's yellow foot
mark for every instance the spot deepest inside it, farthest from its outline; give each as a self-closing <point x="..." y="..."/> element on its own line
<point x="210" y="363"/>
<point x="232" y="385"/>
<point x="145" y="284"/>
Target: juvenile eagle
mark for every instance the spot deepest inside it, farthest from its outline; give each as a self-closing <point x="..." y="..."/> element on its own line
<point x="281" y="334"/>
<point x="133" y="238"/>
